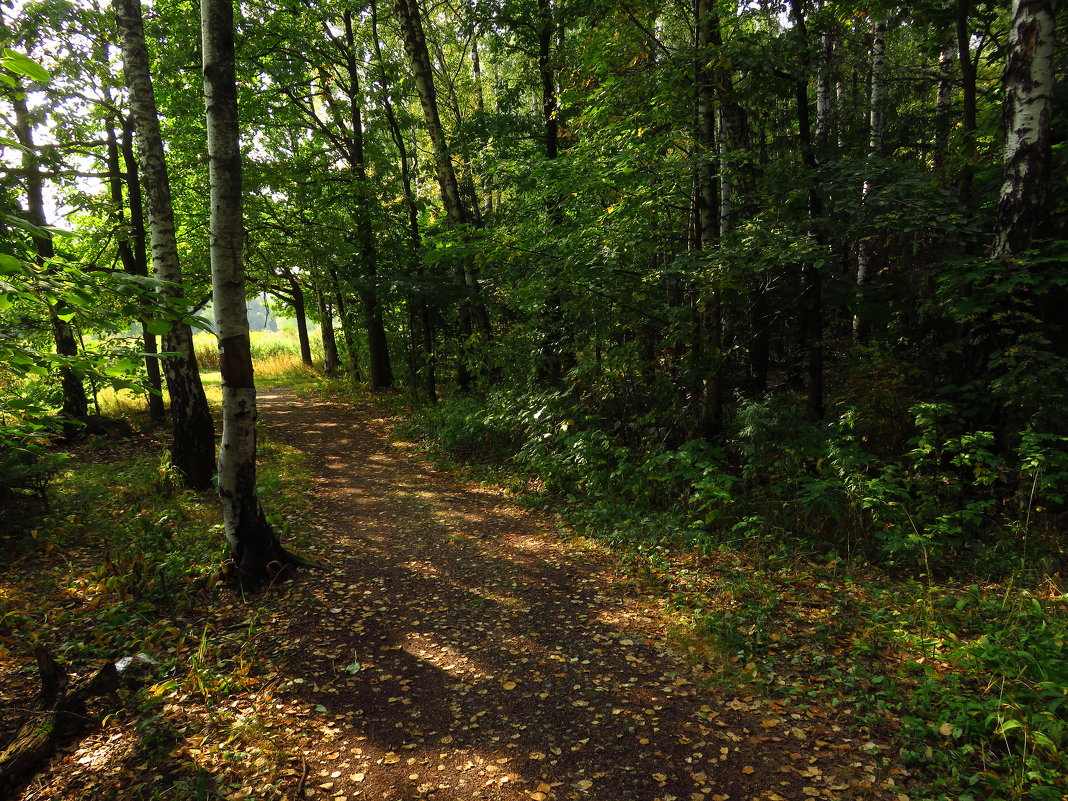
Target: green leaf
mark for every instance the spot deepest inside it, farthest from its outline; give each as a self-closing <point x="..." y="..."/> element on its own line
<point x="158" y="327"/>
<point x="25" y="225"/>
<point x="25" y="66"/>
<point x="9" y="265"/>
<point x="1008" y="725"/>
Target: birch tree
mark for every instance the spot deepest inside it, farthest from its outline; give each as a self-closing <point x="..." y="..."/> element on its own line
<point x="876" y="137"/>
<point x="255" y="554"/>
<point x="193" y="441"/>
<point x="1023" y="205"/>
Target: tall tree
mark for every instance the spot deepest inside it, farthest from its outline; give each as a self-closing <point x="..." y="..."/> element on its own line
<point x="256" y="555"/>
<point x="1023" y="207"/>
<point x="876" y="136"/>
<point x="379" y="369"/>
<point x="473" y="315"/>
<point x="75" y="403"/>
<point x="193" y="440"/>
<point x="811" y="312"/>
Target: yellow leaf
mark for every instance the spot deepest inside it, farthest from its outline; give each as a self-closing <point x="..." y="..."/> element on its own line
<point x="946" y="729"/>
<point x="660" y="777"/>
<point x="584" y="784"/>
<point x="390" y="759"/>
<point x="748" y="769"/>
<point x="509" y="685"/>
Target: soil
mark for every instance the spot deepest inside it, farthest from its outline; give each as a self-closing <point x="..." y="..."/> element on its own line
<point x="458" y="646"/>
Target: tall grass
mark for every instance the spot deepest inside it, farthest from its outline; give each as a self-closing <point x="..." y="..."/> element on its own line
<point x="274" y="353"/>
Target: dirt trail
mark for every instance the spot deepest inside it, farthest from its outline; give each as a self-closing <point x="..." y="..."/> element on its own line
<point x="462" y="650"/>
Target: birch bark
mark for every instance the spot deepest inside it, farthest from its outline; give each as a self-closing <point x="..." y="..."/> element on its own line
<point x="1023" y="205"/>
<point x="255" y="553"/>
<point x="193" y="440"/>
<point x="876" y="139"/>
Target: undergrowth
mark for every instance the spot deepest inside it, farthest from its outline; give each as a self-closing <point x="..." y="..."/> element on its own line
<point x="125" y="561"/>
<point x="911" y="579"/>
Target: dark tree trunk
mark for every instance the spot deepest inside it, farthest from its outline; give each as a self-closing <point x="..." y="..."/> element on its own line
<point x="710" y="315"/>
<point x="300" y="313"/>
<point x="422" y="347"/>
<point x="137" y="237"/>
<point x="131" y="265"/>
<point x="59" y="715"/>
<point x="473" y="315"/>
<point x="380" y="370"/>
<point x="811" y="312"/>
<point x="331" y="365"/>
<point x="75" y="402"/>
<point x="348" y="327"/>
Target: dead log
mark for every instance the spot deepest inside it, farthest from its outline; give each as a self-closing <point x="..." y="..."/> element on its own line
<point x="59" y="715"/>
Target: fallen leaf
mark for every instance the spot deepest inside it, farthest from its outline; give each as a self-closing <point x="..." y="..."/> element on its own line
<point x="748" y="769"/>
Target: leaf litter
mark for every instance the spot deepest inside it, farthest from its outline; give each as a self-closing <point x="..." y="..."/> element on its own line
<point x="457" y="647"/>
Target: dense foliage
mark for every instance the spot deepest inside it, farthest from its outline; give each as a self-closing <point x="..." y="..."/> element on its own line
<point x="714" y="273"/>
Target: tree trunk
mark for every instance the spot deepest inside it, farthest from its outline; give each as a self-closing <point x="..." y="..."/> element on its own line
<point x="59" y="715"/>
<point x="348" y="327"/>
<point x="75" y="402"/>
<point x="556" y="349"/>
<point x="811" y="312"/>
<point x="1023" y="207"/>
<point x="943" y="109"/>
<point x="193" y="441"/>
<point x="422" y="347"/>
<point x="824" y="93"/>
<point x="131" y="265"/>
<point x="710" y="316"/>
<point x="300" y="313"/>
<point x="255" y="553"/>
<point x="380" y="370"/>
<point x="877" y="134"/>
<point x="137" y="236"/>
<point x="331" y="364"/>
<point x="473" y="315"/>
<point x="970" y="114"/>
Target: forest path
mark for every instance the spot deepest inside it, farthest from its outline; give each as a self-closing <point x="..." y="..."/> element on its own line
<point x="458" y="648"/>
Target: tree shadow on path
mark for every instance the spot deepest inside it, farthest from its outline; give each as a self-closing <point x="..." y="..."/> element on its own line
<point x="457" y="648"/>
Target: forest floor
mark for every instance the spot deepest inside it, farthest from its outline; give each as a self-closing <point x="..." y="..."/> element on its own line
<point x="456" y="646"/>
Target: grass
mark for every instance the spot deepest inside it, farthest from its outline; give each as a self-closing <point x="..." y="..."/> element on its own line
<point x="126" y="561"/>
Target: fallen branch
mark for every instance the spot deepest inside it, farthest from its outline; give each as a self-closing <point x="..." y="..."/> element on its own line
<point x="59" y="715"/>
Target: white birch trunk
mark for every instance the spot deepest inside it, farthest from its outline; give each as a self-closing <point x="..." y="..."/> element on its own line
<point x="193" y="443"/>
<point x="824" y="91"/>
<point x="1022" y="207"/>
<point x="876" y="142"/>
<point x="253" y="545"/>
